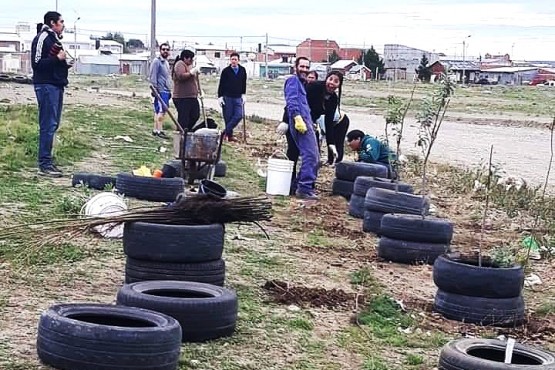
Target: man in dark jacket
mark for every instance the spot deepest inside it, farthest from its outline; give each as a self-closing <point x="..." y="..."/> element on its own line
<point x="232" y="94"/>
<point x="50" y="71"/>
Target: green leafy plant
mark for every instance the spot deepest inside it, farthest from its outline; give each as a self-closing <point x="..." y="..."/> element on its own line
<point x="430" y="118"/>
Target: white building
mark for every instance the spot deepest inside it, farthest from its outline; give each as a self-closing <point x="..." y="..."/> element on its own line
<point x="402" y="61"/>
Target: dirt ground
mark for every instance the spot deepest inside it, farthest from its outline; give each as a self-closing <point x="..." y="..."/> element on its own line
<point x="323" y="289"/>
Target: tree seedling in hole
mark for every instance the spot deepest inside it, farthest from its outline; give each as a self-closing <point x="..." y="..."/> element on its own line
<point x="430" y="118"/>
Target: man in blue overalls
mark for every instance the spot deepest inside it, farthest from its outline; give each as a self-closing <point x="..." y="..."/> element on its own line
<point x="302" y="129"/>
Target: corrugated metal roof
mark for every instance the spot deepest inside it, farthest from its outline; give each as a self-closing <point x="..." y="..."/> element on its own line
<point x="343" y="63"/>
<point x="468" y="65"/>
<point x="508" y="69"/>
<point x="357" y="68"/>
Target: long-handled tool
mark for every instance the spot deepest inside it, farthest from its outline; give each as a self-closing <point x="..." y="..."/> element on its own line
<point x="244" y="125"/>
<point x="166" y="109"/>
<point x="202" y="103"/>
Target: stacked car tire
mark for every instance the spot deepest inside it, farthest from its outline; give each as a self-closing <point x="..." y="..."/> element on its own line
<point x="409" y="238"/>
<point x="174" y="252"/>
<point x="347" y="172"/>
<point x="361" y="186"/>
<point x="485" y="295"/>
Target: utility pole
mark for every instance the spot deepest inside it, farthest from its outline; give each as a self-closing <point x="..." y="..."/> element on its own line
<point x="152" y="31"/>
<point x="464" y="52"/>
<point x="266" y="57"/>
<point x="56" y="5"/>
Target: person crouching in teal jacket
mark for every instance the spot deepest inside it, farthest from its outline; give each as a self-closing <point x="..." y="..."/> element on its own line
<point x="370" y="149"/>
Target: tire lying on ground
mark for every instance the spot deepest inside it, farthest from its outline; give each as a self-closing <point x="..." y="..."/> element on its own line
<point x="372" y="221"/>
<point x="204" y="311"/>
<point x="106" y="337"/>
<point x="478" y="310"/>
<point x="93" y="181"/>
<point x="342" y="187"/>
<point x="173" y="243"/>
<point x="356" y="206"/>
<point x="351" y="170"/>
<point x="363" y="183"/>
<point x="211" y="272"/>
<point x="410" y="252"/>
<point x="389" y="201"/>
<point x="465" y="277"/>
<point x="489" y="354"/>
<point x="149" y="188"/>
<point x="414" y="228"/>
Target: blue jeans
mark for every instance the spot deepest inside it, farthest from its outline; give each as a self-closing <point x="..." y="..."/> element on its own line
<point x="50" y="99"/>
<point x="233" y="113"/>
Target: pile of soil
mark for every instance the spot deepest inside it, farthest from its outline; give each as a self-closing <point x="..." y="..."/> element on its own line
<point x="282" y="292"/>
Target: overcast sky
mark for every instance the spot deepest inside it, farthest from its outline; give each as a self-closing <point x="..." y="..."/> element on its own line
<point x="524" y="28"/>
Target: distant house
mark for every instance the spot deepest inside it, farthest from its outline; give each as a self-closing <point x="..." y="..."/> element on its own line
<point x="471" y="69"/>
<point x="211" y="51"/>
<point x="402" y="61"/>
<point x="276" y="68"/>
<point x="11" y="42"/>
<point x="133" y="64"/>
<point x="343" y="66"/>
<point x="359" y="72"/>
<point x="206" y="66"/>
<point x="286" y="53"/>
<point x="317" y="50"/>
<point x="97" y="65"/>
<point x="509" y="75"/>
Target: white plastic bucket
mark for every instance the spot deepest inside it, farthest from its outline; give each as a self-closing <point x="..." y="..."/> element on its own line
<point x="278" y="176"/>
<point x="105" y="205"/>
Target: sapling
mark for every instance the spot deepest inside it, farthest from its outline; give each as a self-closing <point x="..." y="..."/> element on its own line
<point x="430" y="119"/>
<point x="395" y="118"/>
<point x="488" y="186"/>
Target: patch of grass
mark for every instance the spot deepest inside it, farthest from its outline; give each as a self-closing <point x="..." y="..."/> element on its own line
<point x="384" y="317"/>
<point x="69" y="204"/>
<point x="19" y="129"/>
<point x="375" y="362"/>
<point x="44" y="255"/>
<point x="364" y="278"/>
<point x="301" y="323"/>
<point x="413" y="360"/>
<point x="317" y="238"/>
<point x="546" y="309"/>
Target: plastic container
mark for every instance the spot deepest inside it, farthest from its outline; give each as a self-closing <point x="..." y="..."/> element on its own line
<point x="105" y="205"/>
<point x="278" y="176"/>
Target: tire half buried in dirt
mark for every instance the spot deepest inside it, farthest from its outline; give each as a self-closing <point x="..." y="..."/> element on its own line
<point x="204" y="311"/>
<point x="472" y="354"/>
<point x="107" y="337"/>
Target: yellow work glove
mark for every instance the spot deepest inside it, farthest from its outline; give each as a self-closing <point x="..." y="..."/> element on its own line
<point x="299" y="124"/>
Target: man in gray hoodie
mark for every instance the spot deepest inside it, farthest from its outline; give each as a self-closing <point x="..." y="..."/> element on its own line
<point x="160" y="79"/>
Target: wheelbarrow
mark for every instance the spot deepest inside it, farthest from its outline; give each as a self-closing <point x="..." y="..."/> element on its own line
<point x="196" y="150"/>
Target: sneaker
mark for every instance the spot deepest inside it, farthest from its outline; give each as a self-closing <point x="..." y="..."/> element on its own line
<point x="162" y="135"/>
<point x="306" y="196"/>
<point x="232" y="139"/>
<point x="49" y="172"/>
<point x="55" y="168"/>
<point x="155" y="133"/>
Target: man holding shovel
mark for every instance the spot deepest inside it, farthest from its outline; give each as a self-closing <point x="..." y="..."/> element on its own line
<point x="232" y="91"/>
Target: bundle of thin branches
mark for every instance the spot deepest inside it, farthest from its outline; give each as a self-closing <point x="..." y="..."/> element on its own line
<point x="194" y="210"/>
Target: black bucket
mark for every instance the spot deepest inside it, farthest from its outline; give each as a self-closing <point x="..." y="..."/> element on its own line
<point x="210" y="187"/>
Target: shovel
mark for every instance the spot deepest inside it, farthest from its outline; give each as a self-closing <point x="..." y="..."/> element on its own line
<point x="202" y="103"/>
